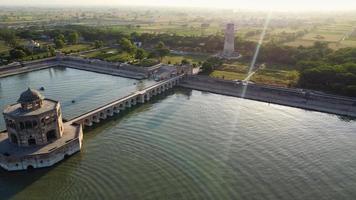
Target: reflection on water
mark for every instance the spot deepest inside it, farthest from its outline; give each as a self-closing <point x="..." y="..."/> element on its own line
<point x="193" y="145"/>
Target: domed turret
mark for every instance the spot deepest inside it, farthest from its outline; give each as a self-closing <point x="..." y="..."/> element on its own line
<point x="30" y="99"/>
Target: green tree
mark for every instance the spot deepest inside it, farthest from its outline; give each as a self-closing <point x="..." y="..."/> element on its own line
<point x="59" y="43"/>
<point x="140" y="54"/>
<point x="16" y="54"/>
<point x="73" y="37"/>
<point x="210" y="64"/>
<point x="51" y="50"/>
<point x="60" y="37"/>
<point x="185" y="62"/>
<point x="98" y="44"/>
<point x="9" y="37"/>
<point x="161" y="50"/>
<point x="126" y="45"/>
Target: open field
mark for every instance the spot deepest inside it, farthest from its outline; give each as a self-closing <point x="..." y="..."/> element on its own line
<point x="174" y="58"/>
<point x="227" y="75"/>
<point x="76" y="48"/>
<point x="334" y="33"/>
<point x="234" y="67"/>
<point x="111" y="55"/>
<point x="275" y="77"/>
<point x="3" y="47"/>
<point x="231" y="71"/>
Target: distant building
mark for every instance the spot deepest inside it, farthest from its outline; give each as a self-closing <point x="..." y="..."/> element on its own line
<point x="138" y="44"/>
<point x="36" y="136"/>
<point x="32" y="45"/>
<point x="169" y="71"/>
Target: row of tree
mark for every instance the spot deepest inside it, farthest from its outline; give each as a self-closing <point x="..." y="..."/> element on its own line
<point x="319" y="66"/>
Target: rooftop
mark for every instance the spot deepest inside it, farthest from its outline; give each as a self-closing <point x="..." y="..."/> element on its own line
<point x="29" y="96"/>
<point x="17" y="111"/>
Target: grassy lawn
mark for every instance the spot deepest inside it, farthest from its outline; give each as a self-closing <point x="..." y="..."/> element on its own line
<point x="119" y="57"/>
<point x="332" y="33"/>
<point x="231" y="71"/>
<point x="173" y="58"/>
<point x="76" y="47"/>
<point x="227" y="75"/>
<point x="276" y="77"/>
<point x="100" y="54"/>
<point x="3" y="47"/>
<point x="236" y="67"/>
<point x="111" y="55"/>
<point x="300" y="42"/>
<point x="35" y="57"/>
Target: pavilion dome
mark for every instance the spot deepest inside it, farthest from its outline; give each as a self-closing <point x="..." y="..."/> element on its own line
<point x="29" y="96"/>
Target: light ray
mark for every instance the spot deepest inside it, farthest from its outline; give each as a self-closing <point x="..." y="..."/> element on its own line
<point x="257" y="51"/>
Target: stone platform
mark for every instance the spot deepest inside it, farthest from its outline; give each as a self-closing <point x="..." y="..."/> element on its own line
<point x="14" y="158"/>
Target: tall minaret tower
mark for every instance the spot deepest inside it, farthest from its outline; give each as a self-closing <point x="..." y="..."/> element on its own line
<point x="229" y="46"/>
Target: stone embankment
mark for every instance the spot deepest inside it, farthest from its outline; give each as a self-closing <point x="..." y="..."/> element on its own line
<point x="305" y="99"/>
<point x="117" y="69"/>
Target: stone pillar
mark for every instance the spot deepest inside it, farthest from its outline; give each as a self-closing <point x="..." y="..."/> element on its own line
<point x="142" y="98"/>
<point x="128" y="104"/>
<point x="117" y="109"/>
<point x="147" y="96"/>
<point x="95" y="118"/>
<point x="110" y="112"/>
<point x="122" y="106"/>
<point x="88" y="122"/>
<point x="133" y="101"/>
<point x="102" y="115"/>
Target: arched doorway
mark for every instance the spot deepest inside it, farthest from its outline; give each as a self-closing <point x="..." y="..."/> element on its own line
<point x="31" y="142"/>
<point x="51" y="135"/>
<point x="14" y="138"/>
<point x="30" y="168"/>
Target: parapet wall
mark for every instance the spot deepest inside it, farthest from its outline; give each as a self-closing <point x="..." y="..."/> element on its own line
<point x="15" y="159"/>
<point x="305" y="99"/>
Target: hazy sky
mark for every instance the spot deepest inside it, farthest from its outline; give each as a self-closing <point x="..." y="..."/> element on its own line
<point x="233" y="4"/>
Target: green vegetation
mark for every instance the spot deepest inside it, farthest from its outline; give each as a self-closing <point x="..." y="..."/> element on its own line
<point x="276" y="77"/>
<point x="230" y="71"/>
<point x="174" y="58"/>
<point x="73" y="37"/>
<point x="3" y="47"/>
<point x="316" y="52"/>
<point x="227" y="75"/>
<point x="211" y="64"/>
<point x="76" y="48"/>
<point x="147" y="62"/>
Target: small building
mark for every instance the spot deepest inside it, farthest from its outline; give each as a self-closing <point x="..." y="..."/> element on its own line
<point x="165" y="72"/>
<point x="138" y="44"/>
<point x="32" y="45"/>
<point x="169" y="71"/>
<point x="36" y="135"/>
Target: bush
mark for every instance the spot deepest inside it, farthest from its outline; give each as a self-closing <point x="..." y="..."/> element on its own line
<point x="147" y="62"/>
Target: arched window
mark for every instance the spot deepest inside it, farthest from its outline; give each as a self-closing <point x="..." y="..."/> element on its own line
<point x="22" y="126"/>
<point x="31" y="142"/>
<point x="51" y="135"/>
<point x="28" y="124"/>
<point x="34" y="123"/>
<point x="14" y="138"/>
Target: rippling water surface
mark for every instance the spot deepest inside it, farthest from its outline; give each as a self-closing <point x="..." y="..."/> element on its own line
<point x="194" y="145"/>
